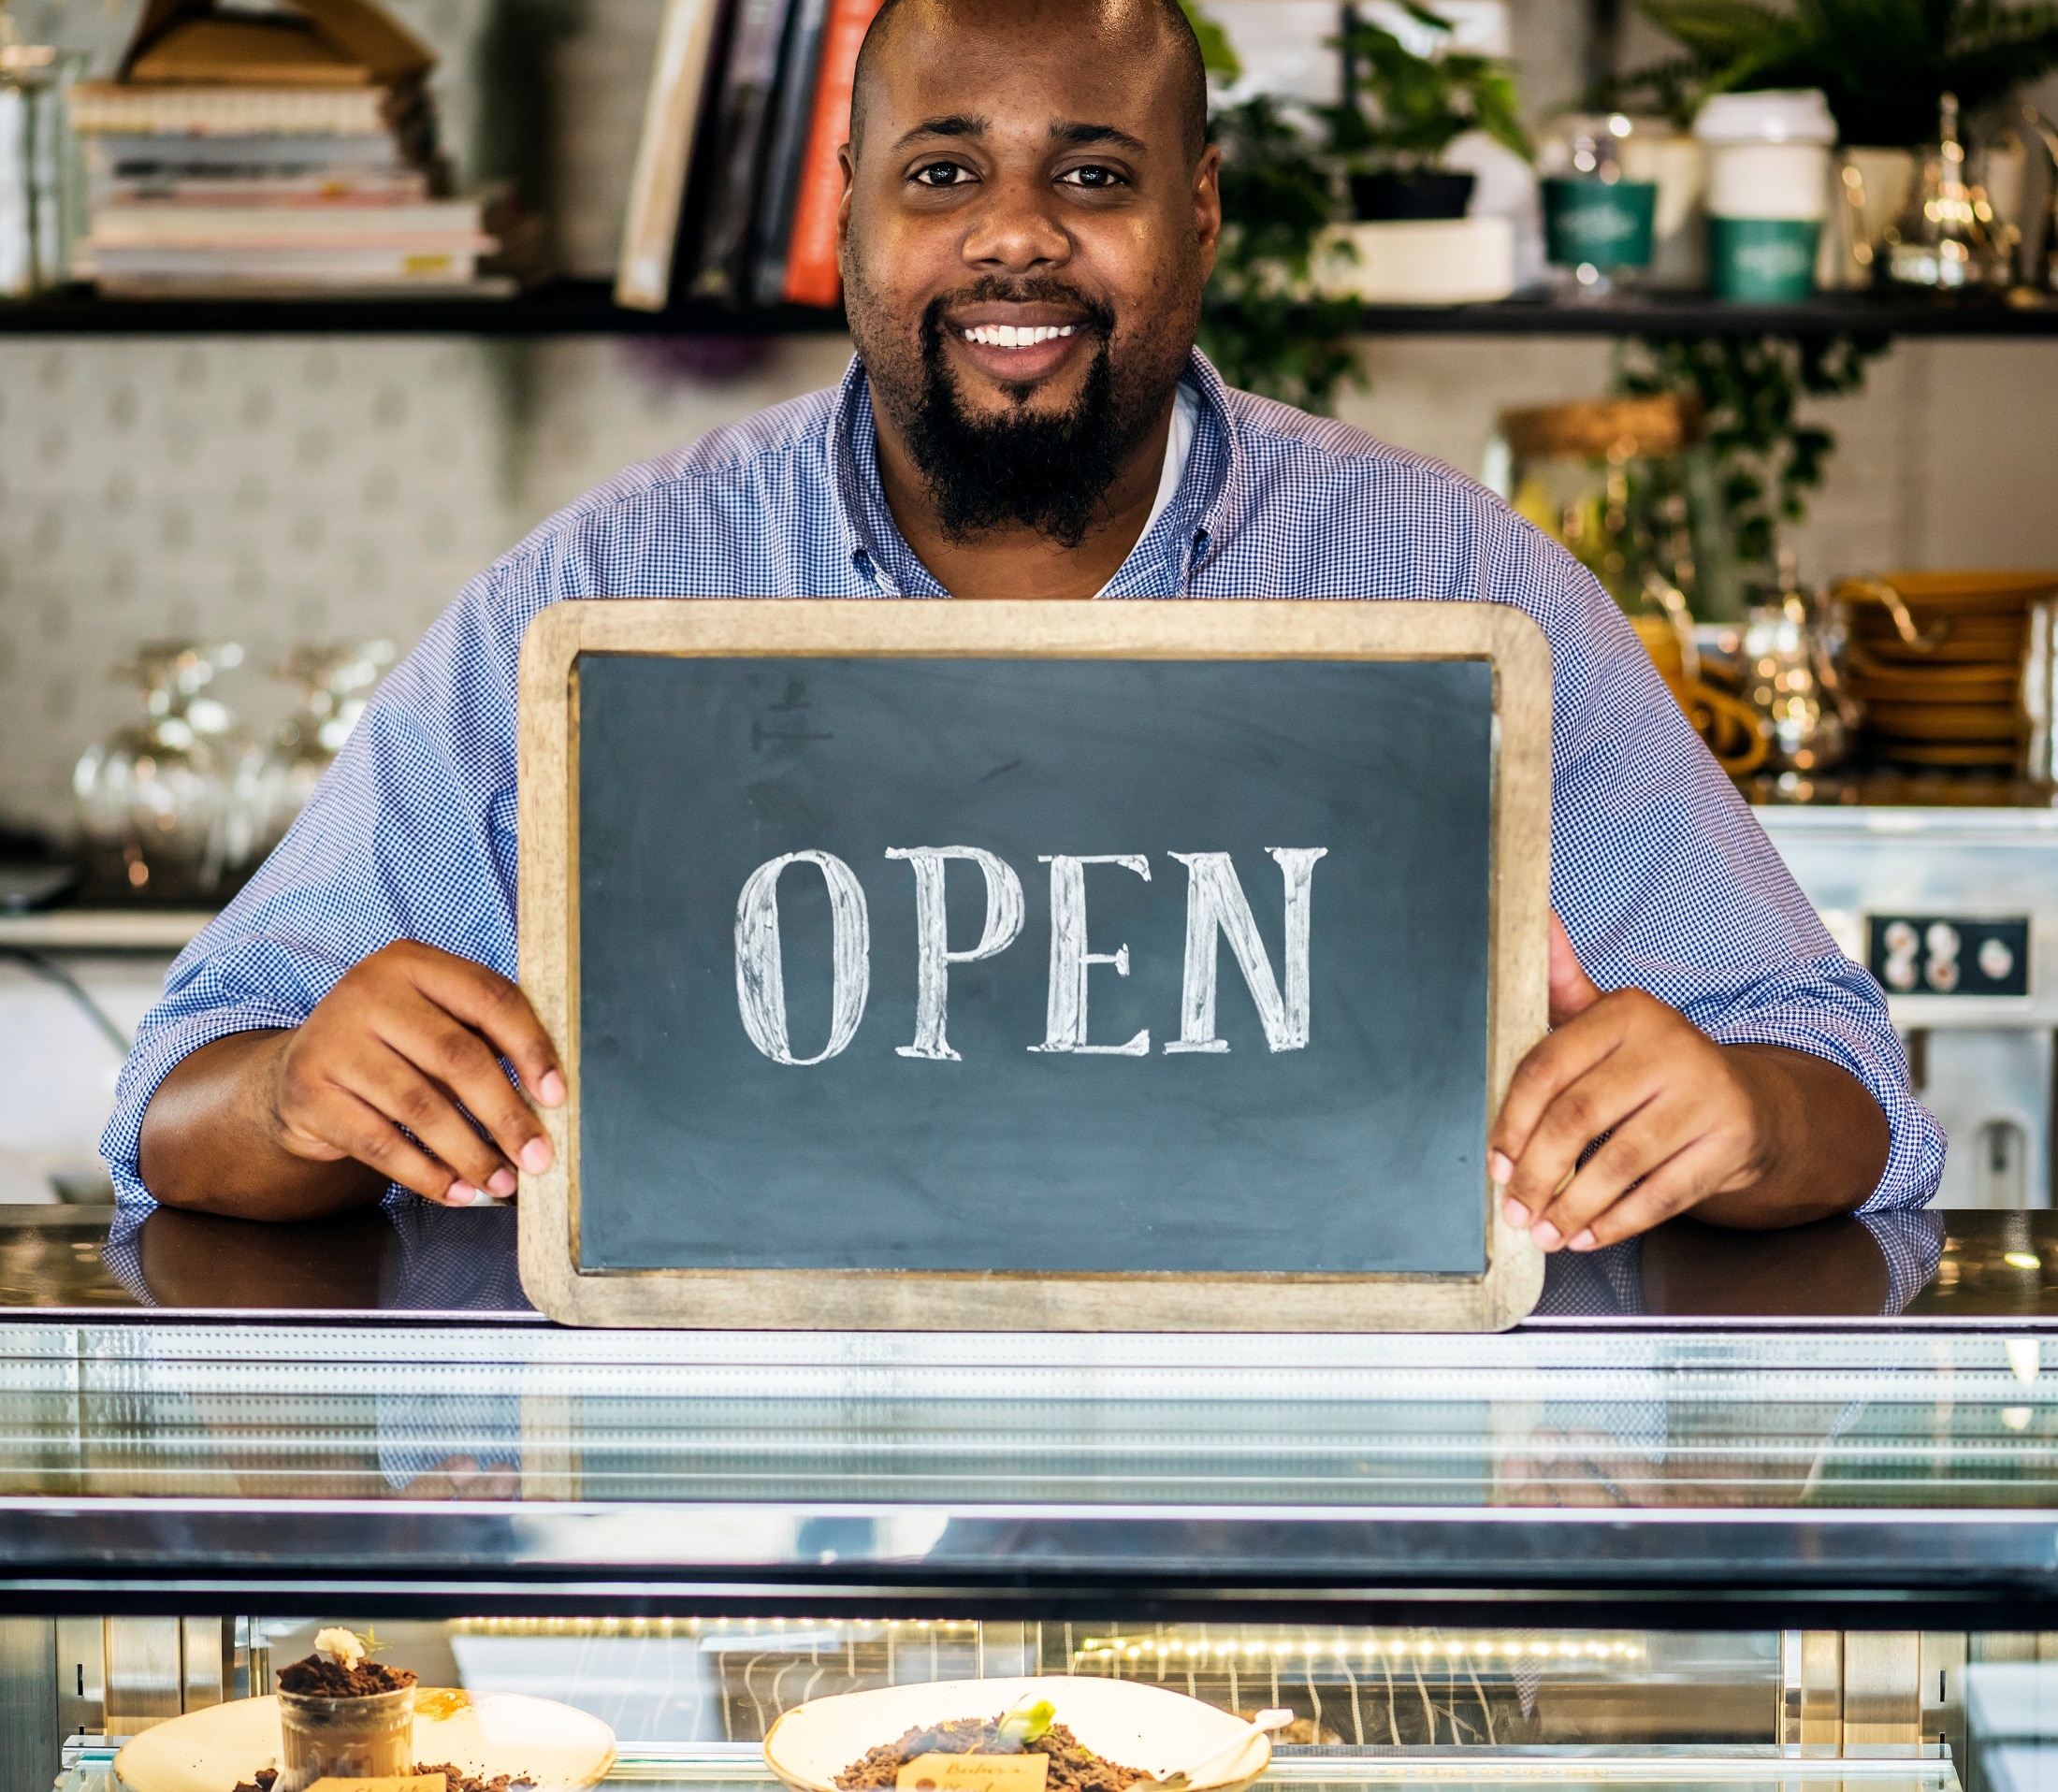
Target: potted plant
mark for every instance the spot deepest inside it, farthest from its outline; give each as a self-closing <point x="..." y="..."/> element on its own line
<point x="1403" y="109"/>
<point x="1884" y="66"/>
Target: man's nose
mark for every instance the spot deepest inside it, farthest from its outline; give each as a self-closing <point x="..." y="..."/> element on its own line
<point x="1016" y="229"/>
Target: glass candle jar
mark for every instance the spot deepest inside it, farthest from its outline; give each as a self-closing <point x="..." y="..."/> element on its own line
<point x="1600" y="221"/>
<point x="370" y="1737"/>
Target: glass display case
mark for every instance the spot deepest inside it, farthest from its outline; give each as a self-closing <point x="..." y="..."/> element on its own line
<point x="1772" y="1511"/>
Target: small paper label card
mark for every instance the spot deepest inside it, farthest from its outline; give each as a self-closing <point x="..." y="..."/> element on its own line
<point x="1023" y="1772"/>
<point x="399" y="1782"/>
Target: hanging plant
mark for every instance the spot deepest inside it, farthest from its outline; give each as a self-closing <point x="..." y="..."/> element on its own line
<point x="1749" y="390"/>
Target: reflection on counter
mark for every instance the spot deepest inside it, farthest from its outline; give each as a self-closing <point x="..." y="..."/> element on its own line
<point x="410" y="1257"/>
<point x="405" y="1256"/>
<point x="1836" y="1268"/>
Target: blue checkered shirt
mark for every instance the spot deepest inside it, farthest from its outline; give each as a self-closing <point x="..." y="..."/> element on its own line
<point x="1662" y="877"/>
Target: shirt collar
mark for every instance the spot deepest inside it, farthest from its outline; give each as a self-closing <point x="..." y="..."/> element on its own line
<point x="1186" y="533"/>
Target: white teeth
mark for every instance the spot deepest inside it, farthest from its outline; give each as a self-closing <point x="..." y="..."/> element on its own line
<point x="1012" y="335"/>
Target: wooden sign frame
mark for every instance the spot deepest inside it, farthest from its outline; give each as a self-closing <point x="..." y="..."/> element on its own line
<point x="925" y="1300"/>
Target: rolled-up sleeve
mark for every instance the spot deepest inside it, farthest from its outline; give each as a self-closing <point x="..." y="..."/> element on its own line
<point x="1666" y="882"/>
<point x="411" y="836"/>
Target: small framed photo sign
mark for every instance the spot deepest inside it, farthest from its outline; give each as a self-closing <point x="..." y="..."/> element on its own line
<point x="1122" y="966"/>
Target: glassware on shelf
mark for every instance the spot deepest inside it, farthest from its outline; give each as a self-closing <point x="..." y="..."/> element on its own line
<point x="1948" y="237"/>
<point x="1792" y="649"/>
<point x="41" y="193"/>
<point x="1600" y="219"/>
<point x="336" y="680"/>
<point x="168" y="809"/>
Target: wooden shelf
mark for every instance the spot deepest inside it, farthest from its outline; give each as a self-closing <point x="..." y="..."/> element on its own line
<point x="558" y="307"/>
<point x="102" y="930"/>
<point x="587" y="308"/>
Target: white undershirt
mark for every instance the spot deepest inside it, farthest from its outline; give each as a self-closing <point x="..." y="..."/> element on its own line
<point x="1178" y="442"/>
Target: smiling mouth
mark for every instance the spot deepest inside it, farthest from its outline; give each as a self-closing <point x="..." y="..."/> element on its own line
<point x="1015" y="336"/>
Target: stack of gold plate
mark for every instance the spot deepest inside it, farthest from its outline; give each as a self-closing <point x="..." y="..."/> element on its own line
<point x="1937" y="658"/>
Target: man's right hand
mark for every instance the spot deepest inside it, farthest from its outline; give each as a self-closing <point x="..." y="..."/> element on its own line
<point x="286" y="1124"/>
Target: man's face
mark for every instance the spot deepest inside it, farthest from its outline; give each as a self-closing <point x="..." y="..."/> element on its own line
<point x="1027" y="231"/>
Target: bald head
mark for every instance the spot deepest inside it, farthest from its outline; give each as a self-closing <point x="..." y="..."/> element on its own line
<point x="1138" y="32"/>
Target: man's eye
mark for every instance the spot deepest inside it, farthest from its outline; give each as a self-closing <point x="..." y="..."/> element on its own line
<point x="1091" y="176"/>
<point x="941" y="174"/>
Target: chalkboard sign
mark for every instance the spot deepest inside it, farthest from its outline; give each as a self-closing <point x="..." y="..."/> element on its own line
<point x="1128" y="966"/>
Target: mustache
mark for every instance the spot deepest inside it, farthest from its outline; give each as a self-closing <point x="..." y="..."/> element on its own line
<point x="1097" y="317"/>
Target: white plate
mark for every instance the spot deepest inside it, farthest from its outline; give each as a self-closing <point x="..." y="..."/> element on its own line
<point x="215" y="1749"/>
<point x="1120" y="1720"/>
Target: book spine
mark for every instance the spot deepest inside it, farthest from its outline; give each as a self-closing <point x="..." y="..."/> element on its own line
<point x="812" y="277"/>
<point x="665" y="154"/>
<point x="796" y="107"/>
<point x="739" y="149"/>
<point x="95" y="108"/>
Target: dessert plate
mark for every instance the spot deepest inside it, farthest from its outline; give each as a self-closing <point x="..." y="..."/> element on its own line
<point x="1120" y="1720"/>
<point x="558" y="1748"/>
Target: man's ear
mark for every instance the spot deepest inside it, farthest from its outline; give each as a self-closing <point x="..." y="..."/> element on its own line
<point x="1207" y="205"/>
<point x="847" y="163"/>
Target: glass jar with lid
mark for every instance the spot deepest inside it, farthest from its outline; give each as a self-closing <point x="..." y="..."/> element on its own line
<point x="1615" y="190"/>
<point x="336" y="681"/>
<point x="41" y="189"/>
<point x="169" y="808"/>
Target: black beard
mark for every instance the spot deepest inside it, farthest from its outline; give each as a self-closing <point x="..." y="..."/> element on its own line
<point x="1047" y="474"/>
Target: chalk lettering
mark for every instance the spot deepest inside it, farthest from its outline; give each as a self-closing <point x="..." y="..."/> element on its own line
<point x="1215" y="903"/>
<point x="760" y="978"/>
<point x="1064" y="1021"/>
<point x="933" y="954"/>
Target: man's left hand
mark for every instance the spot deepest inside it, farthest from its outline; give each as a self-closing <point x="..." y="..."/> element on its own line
<point x="1686" y="1120"/>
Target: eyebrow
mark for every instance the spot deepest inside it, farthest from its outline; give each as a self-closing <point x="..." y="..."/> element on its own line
<point x="1064" y="131"/>
<point x="1068" y="132"/>
<point x="952" y="125"/>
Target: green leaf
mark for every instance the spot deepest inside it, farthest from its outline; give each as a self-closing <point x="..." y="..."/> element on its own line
<point x="1884" y="65"/>
<point x="1767" y="460"/>
<point x="1027" y="1719"/>
<point x="1404" y="110"/>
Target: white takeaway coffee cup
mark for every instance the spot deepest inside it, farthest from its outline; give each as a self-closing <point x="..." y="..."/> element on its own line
<point x="1768" y="191"/>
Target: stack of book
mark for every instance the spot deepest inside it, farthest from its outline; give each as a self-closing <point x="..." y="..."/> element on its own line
<point x="280" y="154"/>
<point x="734" y="196"/>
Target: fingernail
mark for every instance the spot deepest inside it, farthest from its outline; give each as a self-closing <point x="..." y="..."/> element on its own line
<point x="503" y="1183"/>
<point x="1582" y="1240"/>
<point x="1501" y="1168"/>
<point x="550" y="1092"/>
<point x="462" y="1195"/>
<point x="1515" y="1214"/>
<point x="1546" y="1235"/>
<point x="536" y="1156"/>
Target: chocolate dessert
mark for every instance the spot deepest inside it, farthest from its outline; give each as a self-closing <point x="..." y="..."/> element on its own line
<point x="1074" y="1767"/>
<point x="322" y="1676"/>
<point x="457" y="1780"/>
<point x="454" y="1779"/>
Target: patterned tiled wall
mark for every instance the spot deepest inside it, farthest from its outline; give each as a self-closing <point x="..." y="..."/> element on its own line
<point x="267" y="491"/>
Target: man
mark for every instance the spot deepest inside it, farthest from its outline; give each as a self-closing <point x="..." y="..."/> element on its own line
<point x="1030" y="213"/>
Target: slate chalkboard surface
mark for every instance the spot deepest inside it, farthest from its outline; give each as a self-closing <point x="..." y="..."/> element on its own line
<point x="1077" y="968"/>
<point x="1352" y="1144"/>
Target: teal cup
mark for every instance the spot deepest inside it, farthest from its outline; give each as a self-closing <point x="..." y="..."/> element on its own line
<point x="1605" y="224"/>
<point x="1762" y="261"/>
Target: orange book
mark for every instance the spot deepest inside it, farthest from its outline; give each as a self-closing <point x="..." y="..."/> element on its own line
<point x="811" y="274"/>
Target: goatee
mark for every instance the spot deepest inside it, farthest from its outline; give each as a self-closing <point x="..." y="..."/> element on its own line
<point x="1049" y="472"/>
